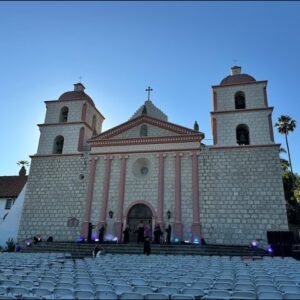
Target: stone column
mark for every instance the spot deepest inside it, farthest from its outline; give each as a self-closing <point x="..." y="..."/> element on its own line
<point x="118" y="223"/>
<point x="160" y="199"/>
<point x="177" y="226"/>
<point x="196" y="227"/>
<point x="89" y="198"/>
<point x="102" y="218"/>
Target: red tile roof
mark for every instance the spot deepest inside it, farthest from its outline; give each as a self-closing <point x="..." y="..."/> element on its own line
<point x="237" y="79"/>
<point x="75" y="95"/>
<point x="11" y="186"/>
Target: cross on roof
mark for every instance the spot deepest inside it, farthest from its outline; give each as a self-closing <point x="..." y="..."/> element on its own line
<point x="149" y="89"/>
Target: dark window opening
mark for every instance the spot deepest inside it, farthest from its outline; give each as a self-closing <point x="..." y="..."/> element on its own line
<point x="64" y="114"/>
<point x="58" y="145"/>
<point x="239" y="99"/>
<point x="242" y="135"/>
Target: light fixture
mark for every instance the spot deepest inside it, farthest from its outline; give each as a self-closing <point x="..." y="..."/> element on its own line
<point x="168" y="214"/>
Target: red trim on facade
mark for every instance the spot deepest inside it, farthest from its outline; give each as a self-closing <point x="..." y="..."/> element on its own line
<point x="243" y="147"/>
<point x="215" y="101"/>
<point x="271" y="128"/>
<point x="83" y="112"/>
<point x="54" y="155"/>
<point x="160" y="199"/>
<point x="144" y="151"/>
<point x="80" y="139"/>
<point x="242" y="110"/>
<point x="144" y="119"/>
<point x="215" y="131"/>
<point x="64" y="124"/>
<point x="105" y="193"/>
<point x="177" y="223"/>
<point x="94" y="107"/>
<point x="235" y="84"/>
<point x="147" y="140"/>
<point x="265" y="96"/>
<point x="118" y="223"/>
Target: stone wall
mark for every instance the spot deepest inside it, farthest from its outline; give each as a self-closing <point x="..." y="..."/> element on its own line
<point x="55" y="194"/>
<point x="49" y="133"/>
<point x="241" y="194"/>
<point x="257" y="122"/>
<point x="254" y="96"/>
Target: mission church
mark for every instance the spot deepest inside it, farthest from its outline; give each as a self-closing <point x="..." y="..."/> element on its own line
<point x="160" y="172"/>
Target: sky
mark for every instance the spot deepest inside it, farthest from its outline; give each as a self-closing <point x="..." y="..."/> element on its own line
<point x="179" y="48"/>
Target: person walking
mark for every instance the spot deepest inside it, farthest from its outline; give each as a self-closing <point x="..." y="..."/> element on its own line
<point x="147" y="246"/>
<point x="140" y="232"/>
<point x="126" y="234"/>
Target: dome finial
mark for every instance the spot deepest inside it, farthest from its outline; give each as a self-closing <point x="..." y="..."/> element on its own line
<point x="235" y="70"/>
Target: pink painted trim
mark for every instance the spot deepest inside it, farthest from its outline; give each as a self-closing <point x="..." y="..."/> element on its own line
<point x="241" y="110"/>
<point x="160" y="199"/>
<point x="245" y="83"/>
<point x="55" y="155"/>
<point x="177" y="188"/>
<point x="147" y="140"/>
<point x="83" y="112"/>
<point x="144" y="151"/>
<point x="265" y="96"/>
<point x="89" y="199"/>
<point x="243" y="147"/>
<point x="118" y="223"/>
<point x="215" y="102"/>
<point x="105" y="194"/>
<point x="149" y="120"/>
<point x="132" y="204"/>
<point x="80" y="139"/>
<point x="215" y="131"/>
<point x="65" y="124"/>
<point x="271" y="128"/>
<point x="195" y="188"/>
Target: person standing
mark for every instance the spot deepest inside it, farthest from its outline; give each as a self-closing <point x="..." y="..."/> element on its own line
<point x="168" y="231"/>
<point x="147" y="246"/>
<point x="126" y="234"/>
<point x="101" y="234"/>
<point x="140" y="232"/>
<point x="157" y="234"/>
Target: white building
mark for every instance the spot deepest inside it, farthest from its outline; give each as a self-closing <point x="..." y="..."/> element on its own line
<point x="150" y="169"/>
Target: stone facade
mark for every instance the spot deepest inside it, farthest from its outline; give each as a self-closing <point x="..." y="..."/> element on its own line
<point x="226" y="193"/>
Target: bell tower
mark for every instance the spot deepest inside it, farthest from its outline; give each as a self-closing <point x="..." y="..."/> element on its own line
<point x="70" y="121"/>
<point x="241" y="115"/>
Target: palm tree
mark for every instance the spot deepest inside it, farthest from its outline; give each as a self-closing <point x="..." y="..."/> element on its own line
<point x="285" y="125"/>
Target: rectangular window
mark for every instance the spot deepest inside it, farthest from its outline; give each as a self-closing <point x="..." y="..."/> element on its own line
<point x="9" y="203"/>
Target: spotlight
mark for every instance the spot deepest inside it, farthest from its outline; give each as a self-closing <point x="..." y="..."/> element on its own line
<point x="187" y="242"/>
<point x="80" y="239"/>
<point x="196" y="241"/>
<point x="28" y="244"/>
<point x="18" y="248"/>
<point x="96" y="240"/>
<point x="115" y="239"/>
<point x="269" y="249"/>
<point x="176" y="240"/>
<point x="254" y="243"/>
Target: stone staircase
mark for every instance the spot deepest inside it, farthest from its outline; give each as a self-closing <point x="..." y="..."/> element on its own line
<point x="81" y="250"/>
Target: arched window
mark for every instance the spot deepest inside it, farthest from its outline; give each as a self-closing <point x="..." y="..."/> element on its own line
<point x="239" y="100"/>
<point x="64" y="114"/>
<point x="242" y="135"/>
<point x="58" y="145"/>
<point x="144" y="130"/>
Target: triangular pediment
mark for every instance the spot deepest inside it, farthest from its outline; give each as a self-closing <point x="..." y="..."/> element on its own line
<point x="155" y="128"/>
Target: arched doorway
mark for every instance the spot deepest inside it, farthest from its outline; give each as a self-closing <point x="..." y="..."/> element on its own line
<point x="137" y="213"/>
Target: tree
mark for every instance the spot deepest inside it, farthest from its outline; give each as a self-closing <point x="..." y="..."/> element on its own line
<point x="285" y="125"/>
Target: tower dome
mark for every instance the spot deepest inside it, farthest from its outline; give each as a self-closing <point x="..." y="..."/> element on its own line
<point x="77" y="94"/>
<point x="236" y="77"/>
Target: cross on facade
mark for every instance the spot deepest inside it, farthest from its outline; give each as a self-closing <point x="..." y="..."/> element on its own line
<point x="149" y="89"/>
